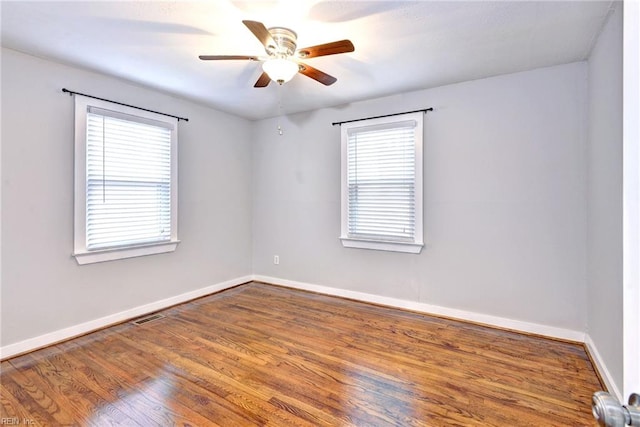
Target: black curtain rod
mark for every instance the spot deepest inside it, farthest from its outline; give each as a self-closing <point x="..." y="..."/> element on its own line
<point x="379" y="117"/>
<point x="70" y="92"/>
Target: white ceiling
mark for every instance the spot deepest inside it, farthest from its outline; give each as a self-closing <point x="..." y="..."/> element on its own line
<point x="399" y="46"/>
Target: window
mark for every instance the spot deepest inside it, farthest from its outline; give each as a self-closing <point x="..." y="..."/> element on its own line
<point x="382" y="183"/>
<point x="125" y="182"/>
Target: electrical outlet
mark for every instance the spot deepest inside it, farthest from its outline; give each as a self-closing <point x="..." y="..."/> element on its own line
<point x="276" y="259"/>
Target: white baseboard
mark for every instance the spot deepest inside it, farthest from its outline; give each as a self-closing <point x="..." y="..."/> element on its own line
<point x="93" y="325"/>
<point x="602" y="368"/>
<point x="501" y="322"/>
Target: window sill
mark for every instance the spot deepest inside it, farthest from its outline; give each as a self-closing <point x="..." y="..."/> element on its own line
<point x="412" y="248"/>
<point x="91" y="257"/>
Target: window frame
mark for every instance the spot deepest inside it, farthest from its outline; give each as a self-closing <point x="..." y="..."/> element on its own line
<point x="80" y="252"/>
<point x="348" y="241"/>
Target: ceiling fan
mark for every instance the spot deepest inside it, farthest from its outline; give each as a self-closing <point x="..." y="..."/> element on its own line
<point x="283" y="60"/>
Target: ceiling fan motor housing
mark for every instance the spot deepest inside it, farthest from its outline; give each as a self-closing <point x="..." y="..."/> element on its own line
<point x="285" y="39"/>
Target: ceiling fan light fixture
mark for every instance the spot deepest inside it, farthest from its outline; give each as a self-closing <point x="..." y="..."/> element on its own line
<point x="280" y="70"/>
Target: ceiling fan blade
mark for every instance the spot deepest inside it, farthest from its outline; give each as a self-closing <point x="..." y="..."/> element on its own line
<point x="317" y="75"/>
<point x="260" y="31"/>
<point x="263" y="80"/>
<point x="342" y="46"/>
<point x="226" y="57"/>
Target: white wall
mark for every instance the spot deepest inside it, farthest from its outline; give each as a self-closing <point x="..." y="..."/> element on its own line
<point x="604" y="201"/>
<point x="505" y="197"/>
<point x="631" y="196"/>
<point x="43" y="288"/>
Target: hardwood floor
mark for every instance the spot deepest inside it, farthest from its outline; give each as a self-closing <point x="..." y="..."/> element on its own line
<point x="265" y="355"/>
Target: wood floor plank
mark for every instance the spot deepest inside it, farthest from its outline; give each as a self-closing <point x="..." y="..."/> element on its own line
<point x="52" y="375"/>
<point x="20" y="403"/>
<point x="265" y="355"/>
<point x="105" y="381"/>
<point x="152" y="393"/>
<point x="308" y="358"/>
<point x="252" y="401"/>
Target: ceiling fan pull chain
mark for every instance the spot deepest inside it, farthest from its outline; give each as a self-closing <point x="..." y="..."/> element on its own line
<point x="279" y="89"/>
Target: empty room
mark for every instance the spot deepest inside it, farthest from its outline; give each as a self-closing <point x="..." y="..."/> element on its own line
<point x="320" y="213"/>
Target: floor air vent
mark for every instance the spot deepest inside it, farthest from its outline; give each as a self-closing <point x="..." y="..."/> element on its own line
<point x="147" y="319"/>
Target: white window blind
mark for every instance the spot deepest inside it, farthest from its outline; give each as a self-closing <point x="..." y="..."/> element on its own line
<point x="382" y="174"/>
<point x="381" y="182"/>
<point x="128" y="181"/>
<point x="125" y="182"/>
